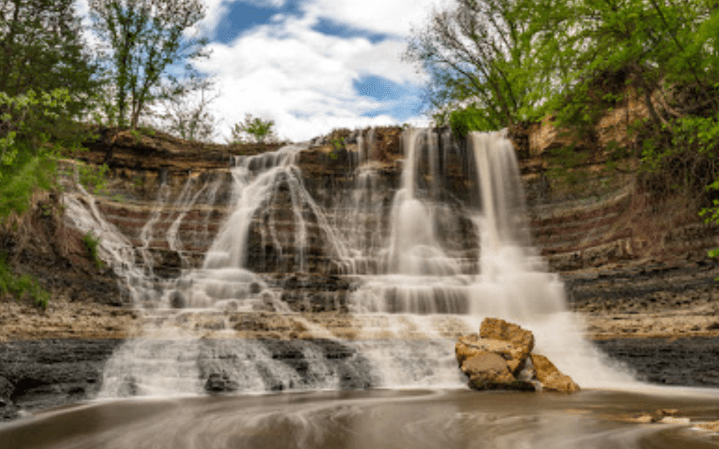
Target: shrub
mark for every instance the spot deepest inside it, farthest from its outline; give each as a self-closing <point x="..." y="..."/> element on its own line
<point x="255" y="128"/>
<point x="91" y="244"/>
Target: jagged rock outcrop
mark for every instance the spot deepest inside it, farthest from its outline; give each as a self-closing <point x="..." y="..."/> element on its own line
<point x="550" y="377"/>
<point x="500" y="358"/>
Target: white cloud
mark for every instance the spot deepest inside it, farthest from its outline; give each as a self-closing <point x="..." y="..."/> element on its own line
<point x="384" y="59"/>
<point x="217" y="9"/>
<point x="301" y="78"/>
<point x="265" y="3"/>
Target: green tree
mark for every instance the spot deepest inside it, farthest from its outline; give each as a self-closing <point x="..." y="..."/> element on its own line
<point x="595" y="49"/>
<point x="188" y="116"/>
<point x="146" y="44"/>
<point x="46" y="80"/>
<point x="29" y="145"/>
<point x="254" y="128"/>
<point x="41" y="50"/>
<point x="480" y="56"/>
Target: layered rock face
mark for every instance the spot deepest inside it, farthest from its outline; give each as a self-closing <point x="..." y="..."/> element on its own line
<point x="171" y="200"/>
<point x="312" y="235"/>
<point x="500" y="358"/>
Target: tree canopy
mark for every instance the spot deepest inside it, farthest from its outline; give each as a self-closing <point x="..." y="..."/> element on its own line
<point x="148" y="49"/>
<point x="41" y="50"/>
<point x="493" y="63"/>
<point x="253" y="128"/>
<point x="480" y="58"/>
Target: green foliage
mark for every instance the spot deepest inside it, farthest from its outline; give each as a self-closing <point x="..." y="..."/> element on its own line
<point x="145" y="43"/>
<point x="27" y="158"/>
<point x="21" y="286"/>
<point x="94" y="179"/>
<point x="563" y="163"/>
<point x="41" y="50"/>
<point x="338" y="143"/>
<point x="471" y="118"/>
<point x="254" y="128"/>
<point x="91" y="244"/>
<point x="481" y="57"/>
<point x="496" y="63"/>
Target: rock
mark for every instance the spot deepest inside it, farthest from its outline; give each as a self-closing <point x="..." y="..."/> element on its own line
<point x="496" y="329"/>
<point x="255" y="288"/>
<point x="639" y="419"/>
<point x="710" y="426"/>
<point x="674" y="420"/>
<point x="550" y="377"/>
<point x="487" y="370"/>
<point x="6" y="391"/>
<point x="219" y="383"/>
<point x="471" y="345"/>
<point x="177" y="300"/>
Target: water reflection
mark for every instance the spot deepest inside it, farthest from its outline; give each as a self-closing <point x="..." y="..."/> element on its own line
<point x="368" y="419"/>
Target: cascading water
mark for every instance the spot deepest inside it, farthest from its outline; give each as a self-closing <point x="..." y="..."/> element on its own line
<point x="414" y="284"/>
<point x="512" y="282"/>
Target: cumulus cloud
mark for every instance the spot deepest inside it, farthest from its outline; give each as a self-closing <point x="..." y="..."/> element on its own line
<point x="299" y="77"/>
<point x="303" y="78"/>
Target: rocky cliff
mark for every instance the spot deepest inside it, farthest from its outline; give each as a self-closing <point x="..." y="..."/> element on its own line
<point x="600" y="230"/>
<point x="619" y="250"/>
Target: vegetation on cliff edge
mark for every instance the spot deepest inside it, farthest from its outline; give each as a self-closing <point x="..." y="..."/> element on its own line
<point x="497" y="63"/>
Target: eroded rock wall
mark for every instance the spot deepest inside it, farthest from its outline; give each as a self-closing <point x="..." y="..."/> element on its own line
<point x="601" y="223"/>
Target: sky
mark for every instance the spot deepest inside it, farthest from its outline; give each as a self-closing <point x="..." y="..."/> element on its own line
<point x="314" y="65"/>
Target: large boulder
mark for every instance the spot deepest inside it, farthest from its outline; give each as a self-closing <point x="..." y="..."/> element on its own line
<point x="468" y="346"/>
<point x="550" y="377"/>
<point x="489" y="371"/>
<point x="497" y="358"/>
<point x="522" y="339"/>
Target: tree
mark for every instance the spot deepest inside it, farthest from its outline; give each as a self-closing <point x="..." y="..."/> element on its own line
<point x="46" y="79"/>
<point x="253" y="127"/>
<point x="27" y="155"/>
<point x="188" y="116"/>
<point x="41" y="50"/>
<point x="504" y="61"/>
<point x="480" y="56"/>
<point x="146" y="43"/>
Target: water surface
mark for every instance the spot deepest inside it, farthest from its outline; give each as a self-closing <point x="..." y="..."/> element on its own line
<point x="371" y="419"/>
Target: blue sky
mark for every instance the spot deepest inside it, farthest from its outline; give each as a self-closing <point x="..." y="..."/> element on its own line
<point x="315" y="65"/>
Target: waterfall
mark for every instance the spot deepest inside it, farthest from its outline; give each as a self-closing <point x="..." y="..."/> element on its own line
<point x="512" y="282"/>
<point x="421" y="267"/>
